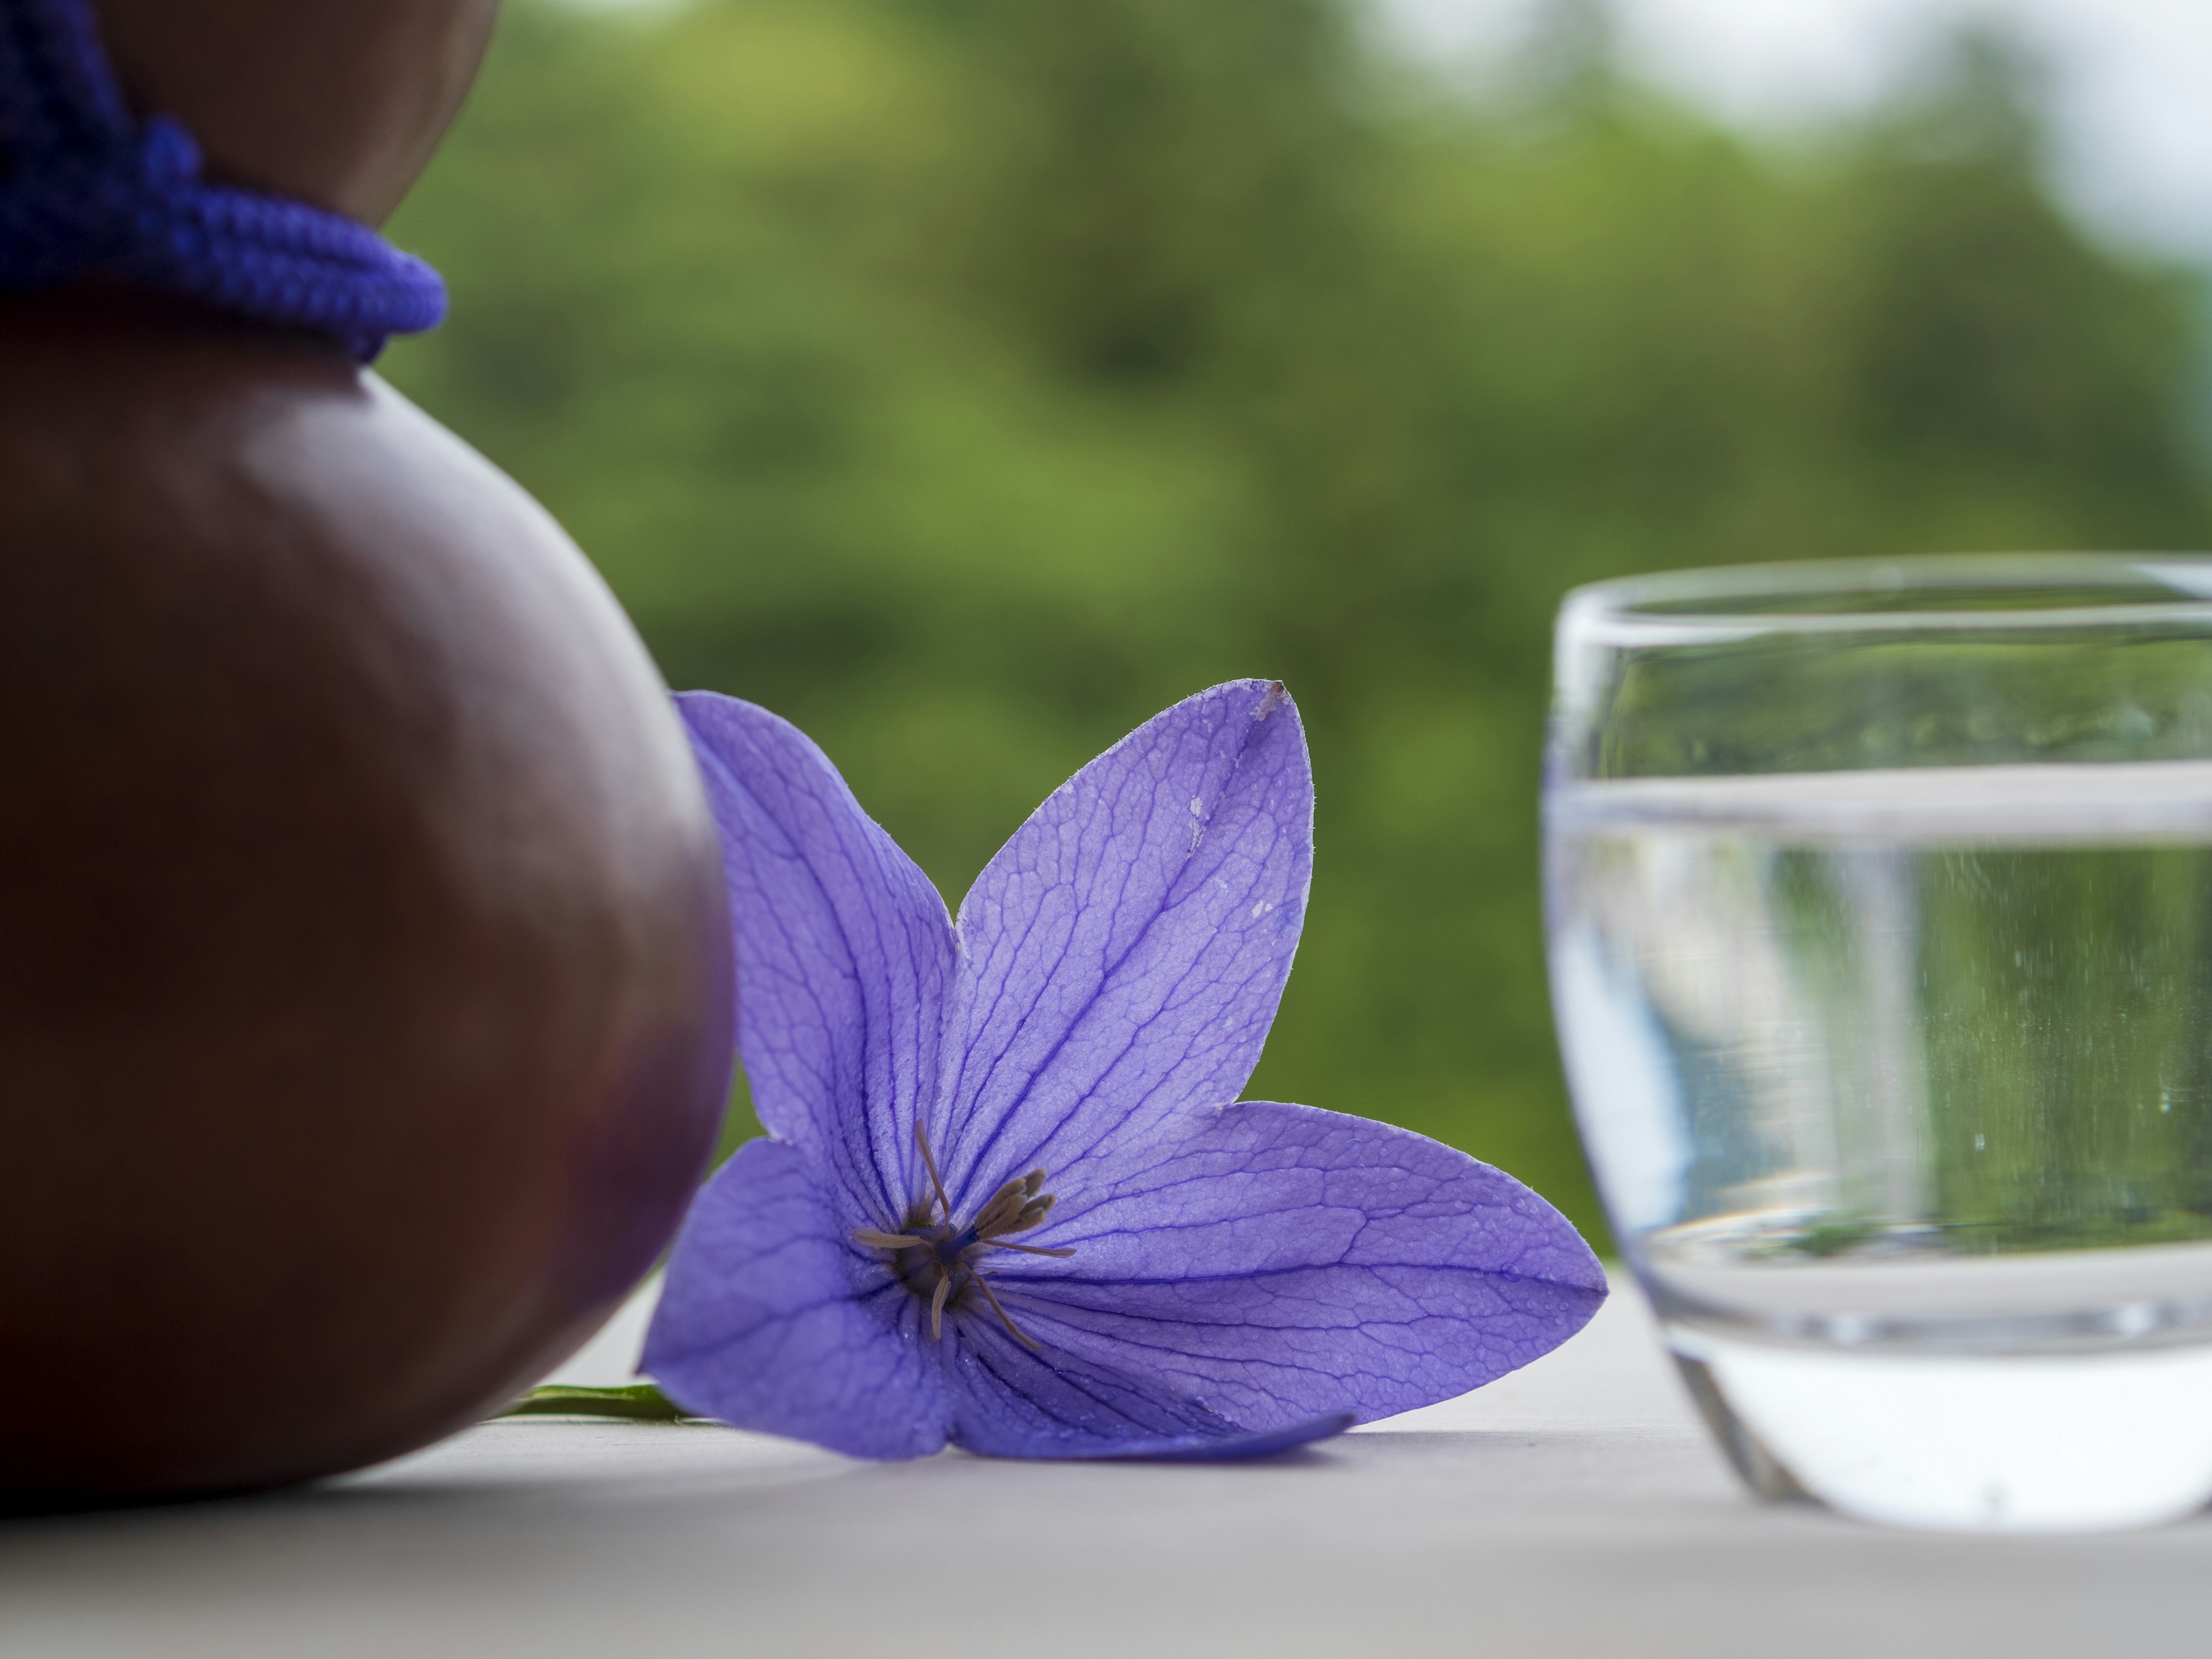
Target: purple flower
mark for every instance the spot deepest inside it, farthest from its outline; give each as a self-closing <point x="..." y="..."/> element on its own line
<point x="1005" y="1200"/>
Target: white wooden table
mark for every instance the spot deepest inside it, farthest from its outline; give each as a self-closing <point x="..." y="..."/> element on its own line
<point x="1572" y="1509"/>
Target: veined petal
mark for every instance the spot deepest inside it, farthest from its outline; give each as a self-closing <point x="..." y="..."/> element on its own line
<point x="1008" y="1401"/>
<point x="1122" y="956"/>
<point x="770" y="1319"/>
<point x="843" y="948"/>
<point x="1282" y="1262"/>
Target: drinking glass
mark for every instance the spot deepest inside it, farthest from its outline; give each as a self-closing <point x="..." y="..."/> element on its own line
<point x="1879" y="908"/>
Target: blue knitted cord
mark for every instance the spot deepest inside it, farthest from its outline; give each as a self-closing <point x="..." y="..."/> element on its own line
<point x="85" y="189"/>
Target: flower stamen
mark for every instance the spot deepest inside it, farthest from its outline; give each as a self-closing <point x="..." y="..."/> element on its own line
<point x="937" y="1308"/>
<point x="937" y="1260"/>
<point x="929" y="1162"/>
<point x="887" y="1240"/>
<point x="983" y="1283"/>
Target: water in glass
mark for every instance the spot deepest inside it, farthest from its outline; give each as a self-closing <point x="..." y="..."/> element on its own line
<point x="1898" y="1087"/>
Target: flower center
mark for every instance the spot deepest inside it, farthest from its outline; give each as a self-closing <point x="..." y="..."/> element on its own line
<point x="937" y="1260"/>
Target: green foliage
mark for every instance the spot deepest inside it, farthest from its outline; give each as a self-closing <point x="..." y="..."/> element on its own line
<point x="969" y="379"/>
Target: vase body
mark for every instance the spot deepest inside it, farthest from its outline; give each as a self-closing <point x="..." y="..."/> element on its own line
<point x="365" y="990"/>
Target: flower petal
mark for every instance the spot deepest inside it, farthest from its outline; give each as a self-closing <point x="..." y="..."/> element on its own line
<point x="1284" y="1263"/>
<point x="769" y="1319"/>
<point x="1008" y="1401"/>
<point x="1122" y="956"/>
<point x="1247" y="1445"/>
<point x="843" y="948"/>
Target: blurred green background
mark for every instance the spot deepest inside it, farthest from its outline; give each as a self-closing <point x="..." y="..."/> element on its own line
<point x="969" y="379"/>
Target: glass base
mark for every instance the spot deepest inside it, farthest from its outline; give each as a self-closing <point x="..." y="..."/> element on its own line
<point x="1962" y="1443"/>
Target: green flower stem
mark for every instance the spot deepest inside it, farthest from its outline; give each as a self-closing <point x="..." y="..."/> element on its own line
<point x="640" y="1402"/>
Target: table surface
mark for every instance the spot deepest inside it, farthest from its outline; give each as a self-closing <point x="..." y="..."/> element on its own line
<point x="1573" y="1508"/>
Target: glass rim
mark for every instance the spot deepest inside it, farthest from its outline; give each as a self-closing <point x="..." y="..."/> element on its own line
<point x="1624" y="611"/>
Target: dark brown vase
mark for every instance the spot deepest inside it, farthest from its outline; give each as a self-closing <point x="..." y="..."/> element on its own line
<point x="365" y="989"/>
